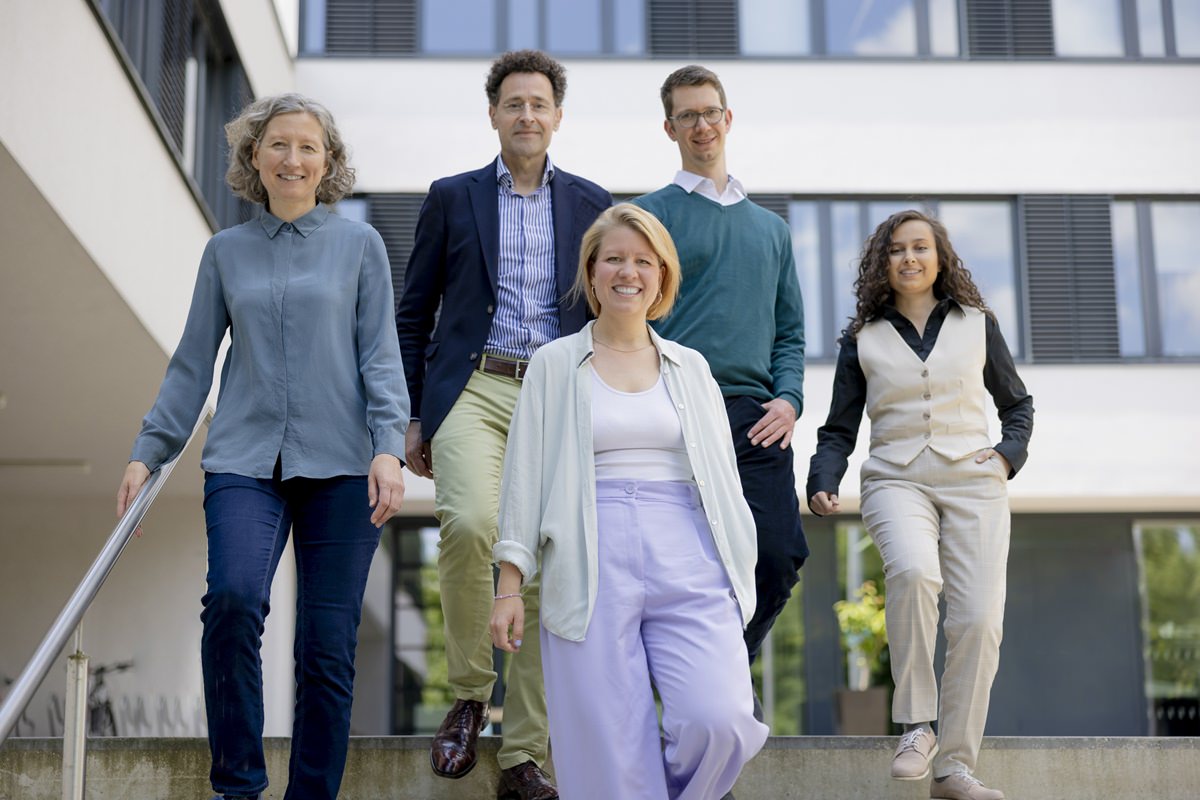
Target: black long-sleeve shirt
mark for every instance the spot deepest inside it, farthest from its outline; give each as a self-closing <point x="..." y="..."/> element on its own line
<point x="837" y="437"/>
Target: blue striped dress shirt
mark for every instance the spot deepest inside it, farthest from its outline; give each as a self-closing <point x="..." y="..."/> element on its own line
<point x="526" y="287"/>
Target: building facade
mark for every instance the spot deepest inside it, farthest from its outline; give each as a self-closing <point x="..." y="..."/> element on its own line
<point x="1055" y="138"/>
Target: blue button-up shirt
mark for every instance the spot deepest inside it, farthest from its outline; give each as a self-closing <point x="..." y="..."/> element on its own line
<point x="526" y="284"/>
<point x="313" y="375"/>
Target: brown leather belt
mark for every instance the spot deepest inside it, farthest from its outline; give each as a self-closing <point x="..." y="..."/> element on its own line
<point x="499" y="365"/>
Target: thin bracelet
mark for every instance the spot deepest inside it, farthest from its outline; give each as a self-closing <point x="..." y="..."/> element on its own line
<point x="506" y="596"/>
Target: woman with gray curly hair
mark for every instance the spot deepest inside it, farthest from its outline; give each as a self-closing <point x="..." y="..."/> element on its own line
<point x="308" y="437"/>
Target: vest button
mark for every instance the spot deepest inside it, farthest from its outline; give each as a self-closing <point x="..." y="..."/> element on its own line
<point x="928" y="434"/>
<point x="927" y="396"/>
<point x="924" y="373"/>
<point x="925" y="415"/>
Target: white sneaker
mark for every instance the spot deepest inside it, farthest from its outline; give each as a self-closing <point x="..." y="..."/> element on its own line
<point x="913" y="755"/>
<point x="962" y="786"/>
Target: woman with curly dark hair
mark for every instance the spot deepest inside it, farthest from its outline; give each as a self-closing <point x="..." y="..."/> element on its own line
<point x="919" y="356"/>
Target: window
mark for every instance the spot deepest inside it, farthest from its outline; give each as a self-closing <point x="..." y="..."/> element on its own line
<point x="472" y="27"/>
<point x="1158" y="277"/>
<point x="1088" y="28"/>
<point x="871" y="28"/>
<point x="774" y="27"/>
<point x="192" y="82"/>
<point x="828" y="237"/>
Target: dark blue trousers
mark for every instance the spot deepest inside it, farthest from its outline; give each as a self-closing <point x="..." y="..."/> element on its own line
<point x="769" y="485"/>
<point x="248" y="523"/>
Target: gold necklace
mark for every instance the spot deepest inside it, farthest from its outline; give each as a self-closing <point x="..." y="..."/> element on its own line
<point x="619" y="350"/>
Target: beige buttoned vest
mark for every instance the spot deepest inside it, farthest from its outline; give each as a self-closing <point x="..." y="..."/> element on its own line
<point x="936" y="403"/>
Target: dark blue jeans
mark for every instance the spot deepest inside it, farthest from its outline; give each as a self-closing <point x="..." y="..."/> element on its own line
<point x="248" y="523"/>
<point x="769" y="485"/>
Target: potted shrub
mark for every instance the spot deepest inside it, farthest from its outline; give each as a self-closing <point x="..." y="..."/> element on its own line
<point x="863" y="708"/>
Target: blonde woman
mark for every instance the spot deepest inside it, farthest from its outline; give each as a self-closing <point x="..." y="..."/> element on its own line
<point x="620" y="480"/>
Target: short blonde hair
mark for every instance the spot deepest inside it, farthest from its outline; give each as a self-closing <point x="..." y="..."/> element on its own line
<point x="244" y="132"/>
<point x="627" y="215"/>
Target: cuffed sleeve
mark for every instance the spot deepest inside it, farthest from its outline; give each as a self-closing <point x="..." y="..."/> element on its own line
<point x="837" y="437"/>
<point x="521" y="483"/>
<point x="379" y="352"/>
<point x="165" y="429"/>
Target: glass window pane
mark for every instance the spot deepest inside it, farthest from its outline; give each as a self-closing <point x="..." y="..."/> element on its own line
<point x="1170" y="560"/>
<point x="847" y="247"/>
<point x="880" y="210"/>
<point x="774" y="27"/>
<point x="523" y="25"/>
<point x="1174" y="228"/>
<point x="943" y="27"/>
<point x="806" y="246"/>
<point x="1187" y="27"/>
<point x="458" y="26"/>
<point x="1150" y="28"/>
<point x="1087" y="28"/>
<point x="313" y="28"/>
<point x="629" y="30"/>
<point x="356" y="208"/>
<point x="982" y="235"/>
<point x="1130" y="319"/>
<point x="573" y="26"/>
<point x="871" y="27"/>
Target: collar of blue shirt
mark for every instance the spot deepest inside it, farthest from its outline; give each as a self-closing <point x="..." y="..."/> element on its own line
<point x="505" y="179"/>
<point x="305" y="225"/>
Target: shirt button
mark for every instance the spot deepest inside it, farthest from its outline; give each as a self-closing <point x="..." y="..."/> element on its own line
<point x="715" y="521"/>
<point x="629" y="488"/>
<point x="680" y="405"/>
<point x="287" y="227"/>
<point x="473" y="356"/>
<point x="701" y="483"/>
<point x="693" y="444"/>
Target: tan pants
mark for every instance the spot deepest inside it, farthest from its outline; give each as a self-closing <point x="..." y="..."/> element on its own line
<point x="468" y="454"/>
<point x="942" y="525"/>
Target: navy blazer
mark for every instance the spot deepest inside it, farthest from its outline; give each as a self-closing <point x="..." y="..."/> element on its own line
<point x="454" y="264"/>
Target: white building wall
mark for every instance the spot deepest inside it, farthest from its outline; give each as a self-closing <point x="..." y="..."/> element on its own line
<point x="93" y="174"/>
<point x="820" y="127"/>
<point x="1106" y="437"/>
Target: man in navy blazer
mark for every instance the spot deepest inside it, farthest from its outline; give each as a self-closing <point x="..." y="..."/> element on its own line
<point x="497" y="250"/>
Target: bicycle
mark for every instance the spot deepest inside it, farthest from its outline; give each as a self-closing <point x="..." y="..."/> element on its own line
<point x="102" y="721"/>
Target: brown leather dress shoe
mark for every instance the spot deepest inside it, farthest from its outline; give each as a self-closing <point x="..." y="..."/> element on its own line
<point x="453" y="751"/>
<point x="525" y="782"/>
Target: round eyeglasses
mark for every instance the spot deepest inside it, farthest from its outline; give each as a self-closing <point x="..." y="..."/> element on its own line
<point x="689" y="119"/>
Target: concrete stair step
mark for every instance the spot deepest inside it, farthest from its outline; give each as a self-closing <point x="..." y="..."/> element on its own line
<point x="788" y="768"/>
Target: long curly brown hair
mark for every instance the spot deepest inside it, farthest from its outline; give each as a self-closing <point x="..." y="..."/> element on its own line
<point x="873" y="289"/>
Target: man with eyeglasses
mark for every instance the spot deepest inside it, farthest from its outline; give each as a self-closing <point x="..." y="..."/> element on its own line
<point x="496" y="249"/>
<point x="739" y="304"/>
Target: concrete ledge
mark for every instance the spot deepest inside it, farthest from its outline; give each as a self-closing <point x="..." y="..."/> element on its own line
<point x="789" y="768"/>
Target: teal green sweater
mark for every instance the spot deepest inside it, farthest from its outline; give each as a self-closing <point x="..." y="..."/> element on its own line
<point x="739" y="303"/>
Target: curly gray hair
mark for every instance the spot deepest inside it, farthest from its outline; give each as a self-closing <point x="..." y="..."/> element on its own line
<point x="245" y="130"/>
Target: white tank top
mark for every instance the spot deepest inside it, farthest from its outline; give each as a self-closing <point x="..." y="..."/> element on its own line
<point x="637" y="435"/>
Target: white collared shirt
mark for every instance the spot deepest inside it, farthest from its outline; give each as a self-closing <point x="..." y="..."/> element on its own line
<point x="548" y="490"/>
<point x="691" y="182"/>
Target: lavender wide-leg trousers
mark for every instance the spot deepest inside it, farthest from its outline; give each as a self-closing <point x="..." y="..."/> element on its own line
<point x="665" y="614"/>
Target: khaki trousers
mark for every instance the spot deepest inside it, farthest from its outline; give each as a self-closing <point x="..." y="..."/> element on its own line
<point x="468" y="455"/>
<point x="942" y="526"/>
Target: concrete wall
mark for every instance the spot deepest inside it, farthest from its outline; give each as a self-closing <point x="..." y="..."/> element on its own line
<point x="788" y="768"/>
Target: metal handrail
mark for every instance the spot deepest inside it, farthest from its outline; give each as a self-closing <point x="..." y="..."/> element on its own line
<point x="21" y="692"/>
